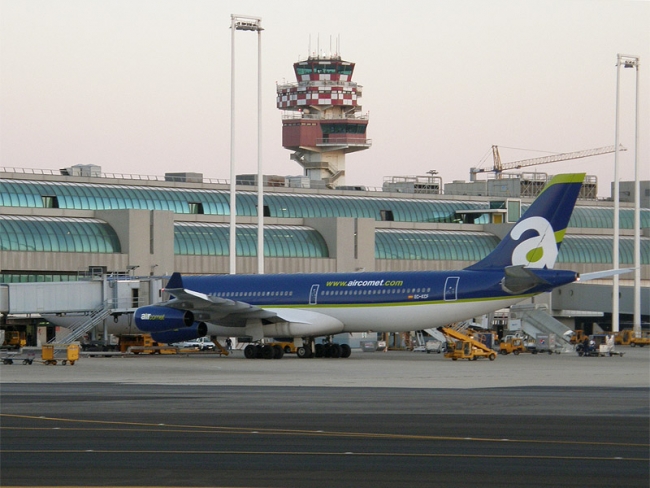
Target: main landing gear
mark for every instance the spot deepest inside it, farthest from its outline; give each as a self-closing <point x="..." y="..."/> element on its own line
<point x="327" y="350"/>
<point x="309" y="349"/>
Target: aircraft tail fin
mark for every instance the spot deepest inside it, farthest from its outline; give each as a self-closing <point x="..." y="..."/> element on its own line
<point x="535" y="239"/>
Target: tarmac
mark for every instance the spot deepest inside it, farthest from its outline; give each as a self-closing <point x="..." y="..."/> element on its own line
<point x="373" y="420"/>
<point x="392" y="369"/>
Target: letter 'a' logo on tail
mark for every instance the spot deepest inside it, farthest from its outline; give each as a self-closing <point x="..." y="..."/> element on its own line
<point x="534" y="241"/>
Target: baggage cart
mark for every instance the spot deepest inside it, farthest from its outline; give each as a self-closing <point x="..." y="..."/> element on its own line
<point x="51" y="354"/>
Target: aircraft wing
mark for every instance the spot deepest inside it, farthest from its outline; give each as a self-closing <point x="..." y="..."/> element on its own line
<point x="208" y="308"/>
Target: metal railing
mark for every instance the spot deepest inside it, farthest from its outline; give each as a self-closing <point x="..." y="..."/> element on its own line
<point x="84" y="324"/>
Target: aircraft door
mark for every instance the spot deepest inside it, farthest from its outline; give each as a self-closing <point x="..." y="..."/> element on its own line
<point x="451" y="288"/>
<point x="313" y="295"/>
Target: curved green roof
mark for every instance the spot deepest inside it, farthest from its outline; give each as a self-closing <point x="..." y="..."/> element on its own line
<point x="603" y="218"/>
<point x="434" y="245"/>
<point x="279" y="240"/>
<point x="473" y="246"/>
<point x="92" y="196"/>
<point x="57" y="234"/>
<point x="62" y="234"/>
<point x="578" y="249"/>
<point x="95" y="196"/>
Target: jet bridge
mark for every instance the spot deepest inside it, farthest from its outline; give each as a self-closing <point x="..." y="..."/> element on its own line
<point x="78" y="306"/>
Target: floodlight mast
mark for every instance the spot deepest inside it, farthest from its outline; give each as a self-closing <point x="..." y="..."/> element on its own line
<point x="246" y="23"/>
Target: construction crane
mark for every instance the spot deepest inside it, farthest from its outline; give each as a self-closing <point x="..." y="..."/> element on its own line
<point x="500" y="167"/>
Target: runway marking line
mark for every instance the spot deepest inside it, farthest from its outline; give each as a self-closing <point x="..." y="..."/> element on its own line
<point x="175" y="428"/>
<point x="327" y="453"/>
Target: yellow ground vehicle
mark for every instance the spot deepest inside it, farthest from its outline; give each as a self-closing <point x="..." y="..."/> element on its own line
<point x="512" y="345"/>
<point x="143" y="343"/>
<point x="14" y="339"/>
<point x="467" y="350"/>
<point x="626" y="337"/>
<point x="578" y="337"/>
<point x="464" y="346"/>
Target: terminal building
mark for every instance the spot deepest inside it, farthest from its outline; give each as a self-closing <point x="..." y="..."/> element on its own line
<point x="79" y="223"/>
<point x="57" y="226"/>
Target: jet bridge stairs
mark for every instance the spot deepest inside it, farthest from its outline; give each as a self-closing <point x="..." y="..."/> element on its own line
<point x="85" y="324"/>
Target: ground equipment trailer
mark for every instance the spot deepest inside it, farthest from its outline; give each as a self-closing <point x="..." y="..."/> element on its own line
<point x="463" y="346"/>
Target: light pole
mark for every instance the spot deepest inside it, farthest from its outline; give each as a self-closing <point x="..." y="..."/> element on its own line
<point x="246" y="23"/>
<point x="627" y="61"/>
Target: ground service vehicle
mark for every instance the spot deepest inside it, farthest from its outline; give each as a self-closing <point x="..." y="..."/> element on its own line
<point x="143" y="343"/>
<point x="463" y="346"/>
<point x="578" y="337"/>
<point x="626" y="337"/>
<point x="459" y="349"/>
<point x="14" y="339"/>
<point x="512" y="345"/>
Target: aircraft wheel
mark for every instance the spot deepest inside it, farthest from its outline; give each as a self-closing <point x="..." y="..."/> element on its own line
<point x="250" y="352"/>
<point x="278" y="352"/>
<point x="267" y="352"/>
<point x="303" y="352"/>
<point x="346" y="351"/>
<point x="320" y="350"/>
<point x="335" y="351"/>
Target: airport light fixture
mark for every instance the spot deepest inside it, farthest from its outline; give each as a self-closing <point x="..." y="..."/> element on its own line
<point x="254" y="24"/>
<point x="627" y="61"/>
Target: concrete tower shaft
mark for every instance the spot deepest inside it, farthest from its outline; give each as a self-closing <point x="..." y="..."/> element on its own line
<point x="322" y="119"/>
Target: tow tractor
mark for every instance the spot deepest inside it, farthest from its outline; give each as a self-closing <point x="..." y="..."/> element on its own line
<point x="626" y="337"/>
<point x="512" y="344"/>
<point x="463" y="346"/>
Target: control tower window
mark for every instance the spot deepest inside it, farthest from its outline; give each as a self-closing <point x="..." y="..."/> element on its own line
<point x="343" y="128"/>
<point x="324" y="68"/>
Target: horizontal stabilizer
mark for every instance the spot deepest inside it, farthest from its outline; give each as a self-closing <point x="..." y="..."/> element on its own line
<point x="519" y="279"/>
<point x="603" y="274"/>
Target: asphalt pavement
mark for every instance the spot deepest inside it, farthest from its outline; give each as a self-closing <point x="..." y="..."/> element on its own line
<point x="375" y="419"/>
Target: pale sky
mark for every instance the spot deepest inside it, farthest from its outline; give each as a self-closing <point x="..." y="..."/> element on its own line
<point x="143" y="86"/>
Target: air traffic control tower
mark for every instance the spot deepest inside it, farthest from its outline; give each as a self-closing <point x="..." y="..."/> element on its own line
<point x="322" y="119"/>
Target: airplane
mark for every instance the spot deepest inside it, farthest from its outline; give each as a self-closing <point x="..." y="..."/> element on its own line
<point x="303" y="307"/>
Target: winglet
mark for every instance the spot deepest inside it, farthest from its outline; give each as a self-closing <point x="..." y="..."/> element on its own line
<point x="535" y="239"/>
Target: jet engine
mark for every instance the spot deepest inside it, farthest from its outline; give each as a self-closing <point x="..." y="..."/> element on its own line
<point x="159" y="319"/>
<point x="198" y="329"/>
